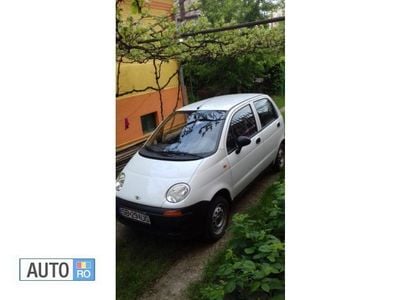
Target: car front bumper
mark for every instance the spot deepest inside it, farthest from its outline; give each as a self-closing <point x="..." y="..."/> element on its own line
<point x="189" y="222"/>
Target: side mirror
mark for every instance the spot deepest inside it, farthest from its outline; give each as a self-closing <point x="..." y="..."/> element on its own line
<point x="242" y="141"/>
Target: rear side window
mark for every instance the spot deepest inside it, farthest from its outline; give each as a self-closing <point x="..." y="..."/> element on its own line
<point x="266" y="111"/>
<point x="242" y="123"/>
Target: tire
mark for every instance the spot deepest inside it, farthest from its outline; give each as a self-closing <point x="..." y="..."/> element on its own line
<point x="279" y="163"/>
<point x="217" y="218"/>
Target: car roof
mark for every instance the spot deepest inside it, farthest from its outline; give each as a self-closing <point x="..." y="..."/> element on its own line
<point x="225" y="102"/>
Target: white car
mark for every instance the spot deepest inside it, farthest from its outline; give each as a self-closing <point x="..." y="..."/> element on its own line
<point x="184" y="178"/>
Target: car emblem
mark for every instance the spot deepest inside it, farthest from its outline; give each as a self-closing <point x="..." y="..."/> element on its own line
<point x="137" y="197"/>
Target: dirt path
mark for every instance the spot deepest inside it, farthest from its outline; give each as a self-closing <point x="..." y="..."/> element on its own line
<point x="189" y="268"/>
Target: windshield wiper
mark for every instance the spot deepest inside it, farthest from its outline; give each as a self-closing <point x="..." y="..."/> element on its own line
<point x="170" y="153"/>
<point x="181" y="153"/>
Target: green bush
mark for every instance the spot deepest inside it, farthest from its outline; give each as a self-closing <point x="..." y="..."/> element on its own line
<point x="225" y="75"/>
<point x="253" y="265"/>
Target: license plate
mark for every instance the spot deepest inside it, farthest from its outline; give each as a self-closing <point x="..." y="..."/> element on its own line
<point x="134" y="215"/>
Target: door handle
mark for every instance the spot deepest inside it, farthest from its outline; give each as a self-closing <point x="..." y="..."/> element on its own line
<point x="258" y="141"/>
<point x="279" y="124"/>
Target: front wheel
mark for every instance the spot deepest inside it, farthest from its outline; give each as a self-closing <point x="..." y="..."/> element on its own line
<point x="217" y="218"/>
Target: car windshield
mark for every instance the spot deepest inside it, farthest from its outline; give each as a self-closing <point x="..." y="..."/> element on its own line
<point x="186" y="135"/>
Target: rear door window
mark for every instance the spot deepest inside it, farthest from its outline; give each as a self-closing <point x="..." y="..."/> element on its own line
<point x="266" y="111"/>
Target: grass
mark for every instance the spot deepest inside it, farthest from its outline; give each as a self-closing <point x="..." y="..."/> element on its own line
<point x="279" y="100"/>
<point x="142" y="259"/>
<point x="193" y="291"/>
<point x="255" y="211"/>
<point x="210" y="269"/>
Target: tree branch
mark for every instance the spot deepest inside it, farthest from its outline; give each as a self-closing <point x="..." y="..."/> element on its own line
<point x="133" y="90"/>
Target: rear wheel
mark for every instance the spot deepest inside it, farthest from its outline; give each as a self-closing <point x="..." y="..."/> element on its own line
<point x="217" y="218"/>
<point x="279" y="163"/>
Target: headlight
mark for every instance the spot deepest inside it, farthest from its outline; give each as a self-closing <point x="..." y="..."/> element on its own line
<point x="120" y="181"/>
<point x="178" y="192"/>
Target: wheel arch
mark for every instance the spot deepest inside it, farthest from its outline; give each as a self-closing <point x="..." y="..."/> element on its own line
<point x="224" y="193"/>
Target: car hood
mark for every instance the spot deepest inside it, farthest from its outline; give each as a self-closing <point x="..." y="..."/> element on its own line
<point x="147" y="180"/>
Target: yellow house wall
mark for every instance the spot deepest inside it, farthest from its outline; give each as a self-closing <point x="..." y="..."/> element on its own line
<point x="140" y="76"/>
<point x="131" y="107"/>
